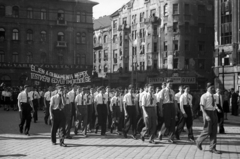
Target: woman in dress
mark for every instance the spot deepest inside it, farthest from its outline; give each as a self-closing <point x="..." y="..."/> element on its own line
<point x="225" y="104"/>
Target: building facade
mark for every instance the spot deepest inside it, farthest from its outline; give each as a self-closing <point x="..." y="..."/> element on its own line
<point x="227" y="58"/>
<point x="56" y="35"/>
<point x="152" y="40"/>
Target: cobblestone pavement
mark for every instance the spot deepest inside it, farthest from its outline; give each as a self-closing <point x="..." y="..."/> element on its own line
<point x="38" y="145"/>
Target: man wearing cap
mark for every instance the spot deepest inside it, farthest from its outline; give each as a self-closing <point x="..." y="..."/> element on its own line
<point x="36" y="102"/>
<point x="25" y="107"/>
<point x="81" y="101"/>
<point x="47" y="97"/>
<point x="149" y="107"/>
<point x="210" y="119"/>
<point x="187" y="114"/>
<point x="72" y="95"/>
<point x="167" y="109"/>
<point x="57" y="104"/>
<point x="130" y="113"/>
<point x="101" y="111"/>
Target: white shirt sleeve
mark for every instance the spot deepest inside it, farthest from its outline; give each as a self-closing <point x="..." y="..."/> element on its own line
<point x="181" y="100"/>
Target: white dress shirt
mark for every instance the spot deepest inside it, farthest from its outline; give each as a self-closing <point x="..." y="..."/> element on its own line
<point x="206" y="101"/>
<point x="48" y="95"/>
<point x="216" y="96"/>
<point x="22" y="97"/>
<point x="149" y="100"/>
<point x="164" y="95"/>
<point x="129" y="99"/>
<point x="177" y="97"/>
<point x="185" y="99"/>
<point x="116" y="101"/>
<point x="55" y="102"/>
<point x="80" y="100"/>
<point x="140" y="97"/>
<point x="101" y="98"/>
<point x="72" y="95"/>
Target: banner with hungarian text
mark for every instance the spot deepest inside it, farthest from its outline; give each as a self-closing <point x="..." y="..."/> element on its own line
<point x="46" y="76"/>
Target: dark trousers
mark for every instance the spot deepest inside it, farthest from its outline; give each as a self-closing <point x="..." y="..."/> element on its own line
<point x="58" y="122"/>
<point x="73" y="115"/>
<point x="220" y="119"/>
<point x="90" y="114"/>
<point x="102" y="117"/>
<point x="35" y="105"/>
<point x="150" y="122"/>
<point x="140" y="122"/>
<point x="235" y="108"/>
<point x="115" y="116"/>
<point x="131" y="120"/>
<point x="47" y="112"/>
<point x="209" y="129"/>
<point x="82" y="116"/>
<point x="68" y="113"/>
<point x="25" y="117"/>
<point x="109" y="119"/>
<point x="188" y="121"/>
<point x="169" y="118"/>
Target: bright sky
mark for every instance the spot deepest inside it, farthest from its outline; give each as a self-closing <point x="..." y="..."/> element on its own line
<point x="107" y="7"/>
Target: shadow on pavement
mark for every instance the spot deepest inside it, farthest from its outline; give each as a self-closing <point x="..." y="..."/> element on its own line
<point x="129" y="146"/>
<point x="14" y="155"/>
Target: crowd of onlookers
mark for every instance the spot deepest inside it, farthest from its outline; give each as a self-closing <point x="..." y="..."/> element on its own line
<point x="8" y="99"/>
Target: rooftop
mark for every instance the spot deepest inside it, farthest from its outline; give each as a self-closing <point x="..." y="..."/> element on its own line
<point x="102" y="22"/>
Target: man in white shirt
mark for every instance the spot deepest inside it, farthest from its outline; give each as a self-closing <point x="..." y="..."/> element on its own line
<point x="72" y="95"/>
<point x="115" y="110"/>
<point x="210" y="120"/>
<point x="130" y="113"/>
<point x="109" y="96"/>
<point x="81" y="112"/>
<point x="56" y="109"/>
<point x="47" y="97"/>
<point x="168" y="109"/>
<point x="149" y="107"/>
<point x="25" y="107"/>
<point x="219" y="102"/>
<point x="101" y="111"/>
<point x="187" y="114"/>
<point x="36" y="103"/>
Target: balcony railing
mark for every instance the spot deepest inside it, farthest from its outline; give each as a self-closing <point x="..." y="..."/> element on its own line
<point x="61" y="44"/>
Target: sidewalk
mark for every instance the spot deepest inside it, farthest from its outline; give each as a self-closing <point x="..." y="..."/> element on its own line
<point x="38" y="145"/>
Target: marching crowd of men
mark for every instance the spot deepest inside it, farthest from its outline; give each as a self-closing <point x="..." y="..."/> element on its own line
<point x="150" y="112"/>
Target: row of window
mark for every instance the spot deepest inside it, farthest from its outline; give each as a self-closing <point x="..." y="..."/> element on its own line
<point x="14" y="12"/>
<point x="175" y="8"/>
<point x="80" y="37"/>
<point x="79" y="59"/>
<point x="99" y="39"/>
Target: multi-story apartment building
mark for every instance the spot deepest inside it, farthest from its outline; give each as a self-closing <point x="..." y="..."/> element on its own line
<point x="227" y="38"/>
<point x="54" y="34"/>
<point x="154" y="40"/>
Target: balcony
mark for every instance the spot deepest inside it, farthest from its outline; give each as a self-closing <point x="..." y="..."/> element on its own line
<point x="98" y="46"/>
<point x="153" y="20"/>
<point x="61" y="44"/>
<point x="61" y="22"/>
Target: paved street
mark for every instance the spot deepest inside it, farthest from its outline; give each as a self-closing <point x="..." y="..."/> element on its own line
<point x="38" y="145"/>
